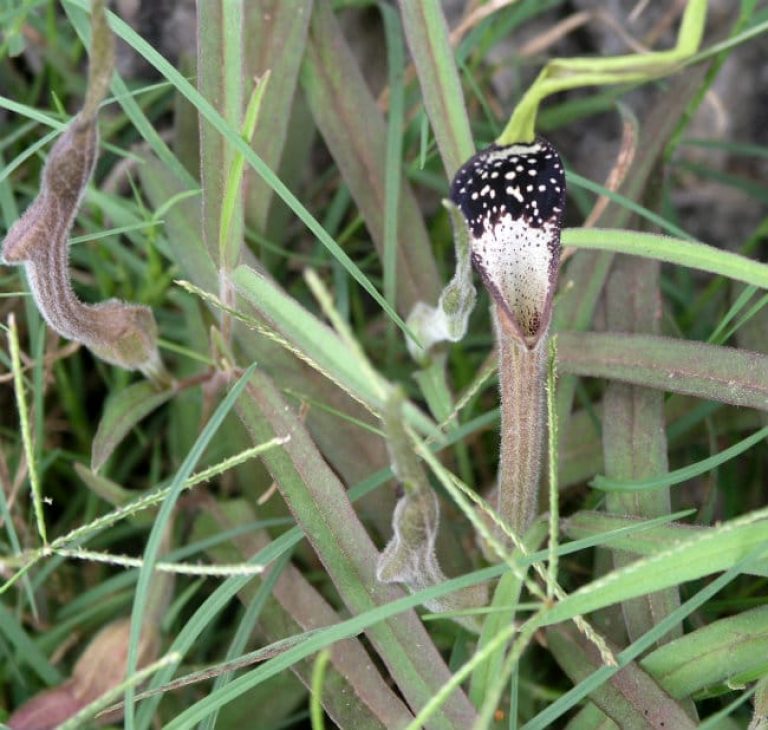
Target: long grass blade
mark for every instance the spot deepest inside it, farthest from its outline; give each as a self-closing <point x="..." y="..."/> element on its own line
<point x="356" y="134"/>
<point x="275" y="35"/>
<point x="722" y="374"/>
<point x="152" y="549"/>
<point x="427" y="34"/>
<point x="670" y="250"/>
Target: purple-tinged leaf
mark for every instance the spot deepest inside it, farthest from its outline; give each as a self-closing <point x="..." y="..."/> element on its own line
<point x="634" y="437"/>
<point x="631" y="697"/>
<point x="722" y="374"/>
<point x="271" y="27"/>
<point x="650" y="541"/>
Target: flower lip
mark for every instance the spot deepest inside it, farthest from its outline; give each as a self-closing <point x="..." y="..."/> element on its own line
<point x="512" y="198"/>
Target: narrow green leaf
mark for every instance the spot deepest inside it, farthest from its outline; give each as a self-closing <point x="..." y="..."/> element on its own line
<point x="717" y="48"/>
<point x="122" y="411"/>
<point x="506" y="595"/>
<point x="680" y="475"/>
<point x="648" y="542"/>
<point x="27" y="651"/>
<point x="719" y="336"/>
<point x="356" y="134"/>
<point x="30" y="452"/>
<point x="671" y="250"/>
<point x="733" y="148"/>
<point x="722" y="374"/>
<point x="427" y="34"/>
<point x="152" y="548"/>
<point x="631" y="698"/>
<point x="629" y="205"/>
<point x="704" y="554"/>
<point x="357" y="696"/>
<point x="232" y="209"/>
<point x="248" y="625"/>
<point x="756" y="308"/>
<point x="208" y="610"/>
<point x="275" y="36"/>
<point x="318" y="681"/>
<point x="15" y="549"/>
<point x="312" y="641"/>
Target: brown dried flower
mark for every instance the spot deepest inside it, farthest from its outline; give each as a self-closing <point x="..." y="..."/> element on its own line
<point x="119" y="333"/>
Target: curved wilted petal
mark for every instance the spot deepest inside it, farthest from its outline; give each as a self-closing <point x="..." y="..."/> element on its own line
<point x="122" y="334"/>
<point x="410" y="555"/>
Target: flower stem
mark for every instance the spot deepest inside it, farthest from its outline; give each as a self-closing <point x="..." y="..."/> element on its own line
<point x="522" y="379"/>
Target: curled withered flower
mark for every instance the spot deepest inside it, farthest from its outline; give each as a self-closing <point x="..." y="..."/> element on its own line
<point x="122" y="334"/>
<point x="409" y="557"/>
<point x="447" y="322"/>
<point x="512" y="198"/>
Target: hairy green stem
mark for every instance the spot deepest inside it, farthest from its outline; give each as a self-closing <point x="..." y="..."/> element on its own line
<point x="522" y="379"/>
